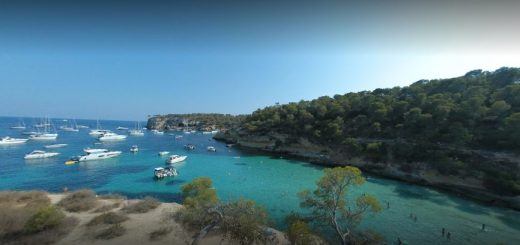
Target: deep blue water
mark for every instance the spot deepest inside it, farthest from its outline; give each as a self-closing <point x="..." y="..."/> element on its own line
<point x="271" y="181"/>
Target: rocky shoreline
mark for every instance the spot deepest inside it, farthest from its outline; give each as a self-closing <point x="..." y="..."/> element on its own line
<point x="304" y="150"/>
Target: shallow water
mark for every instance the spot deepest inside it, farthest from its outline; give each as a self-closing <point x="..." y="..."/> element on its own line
<point x="270" y="181"/>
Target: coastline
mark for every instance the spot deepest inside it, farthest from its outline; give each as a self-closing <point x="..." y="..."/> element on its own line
<point x="304" y="150"/>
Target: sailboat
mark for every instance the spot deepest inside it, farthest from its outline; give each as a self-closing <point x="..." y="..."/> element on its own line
<point x="98" y="131"/>
<point x="137" y="131"/>
<point x="20" y="125"/>
<point x="72" y="128"/>
<point x="46" y="134"/>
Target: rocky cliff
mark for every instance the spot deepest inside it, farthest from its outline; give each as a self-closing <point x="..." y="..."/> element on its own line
<point x="198" y="121"/>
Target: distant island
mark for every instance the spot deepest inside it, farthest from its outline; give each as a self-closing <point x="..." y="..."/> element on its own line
<point x="460" y="134"/>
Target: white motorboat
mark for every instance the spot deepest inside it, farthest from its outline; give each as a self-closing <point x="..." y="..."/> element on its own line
<point x="111" y="137"/>
<point x="121" y="128"/>
<point x="43" y="136"/>
<point x="81" y="126"/>
<point x="96" y="154"/>
<point x="94" y="150"/>
<point x="137" y="131"/>
<point x="211" y="148"/>
<point x="160" y="172"/>
<point x="206" y="132"/>
<point x="163" y="153"/>
<point x="178" y="137"/>
<point x="134" y="149"/>
<point x="175" y="159"/>
<point x="40" y="154"/>
<point x="155" y="131"/>
<point x="214" y="131"/>
<point x="55" y="146"/>
<point x="11" y="141"/>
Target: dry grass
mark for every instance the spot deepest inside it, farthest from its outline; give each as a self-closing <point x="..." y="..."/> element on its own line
<point x="113" y="231"/>
<point x="142" y="206"/>
<point x="106" y="208"/>
<point x="79" y="201"/>
<point x="110" y="218"/>
<point x="160" y="233"/>
<point x="16" y="208"/>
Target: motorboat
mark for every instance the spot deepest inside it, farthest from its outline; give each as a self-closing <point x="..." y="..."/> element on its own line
<point x="95" y="154"/>
<point x="163" y="153"/>
<point x="155" y="131"/>
<point x="161" y="172"/>
<point x="134" y="149"/>
<point x="137" y="131"/>
<point x="11" y="141"/>
<point x="121" y="128"/>
<point x="206" y="132"/>
<point x="111" y="137"/>
<point x="81" y="126"/>
<point x="189" y="147"/>
<point x="43" y="136"/>
<point x="177" y="137"/>
<point x="214" y="131"/>
<point x="211" y="148"/>
<point x="55" y="146"/>
<point x="40" y="154"/>
<point x="175" y="159"/>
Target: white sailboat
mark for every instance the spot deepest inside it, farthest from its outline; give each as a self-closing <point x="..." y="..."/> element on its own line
<point x="98" y="131"/>
<point x="46" y="134"/>
<point x="137" y="131"/>
<point x="20" y="125"/>
<point x="73" y="127"/>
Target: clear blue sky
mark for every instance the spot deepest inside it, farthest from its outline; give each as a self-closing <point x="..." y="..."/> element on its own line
<point x="128" y="59"/>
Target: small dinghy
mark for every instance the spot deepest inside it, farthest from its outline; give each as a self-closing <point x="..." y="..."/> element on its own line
<point x="134" y="149"/>
<point x="55" y="146"/>
<point x="211" y="148"/>
<point x="189" y="147"/>
<point x="163" y="153"/>
<point x="161" y="172"/>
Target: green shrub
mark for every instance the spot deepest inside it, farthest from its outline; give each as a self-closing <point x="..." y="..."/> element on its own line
<point x="46" y="218"/>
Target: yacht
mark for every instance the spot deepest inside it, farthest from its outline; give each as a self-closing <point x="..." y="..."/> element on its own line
<point x="160" y="172"/>
<point x="134" y="149"/>
<point x="55" y="146"/>
<point x="95" y="154"/>
<point x="20" y="125"/>
<point x="211" y="148"/>
<point x="137" y="131"/>
<point x="175" y="159"/>
<point x="40" y="154"/>
<point x="121" y="128"/>
<point x="81" y="126"/>
<point x="206" y="132"/>
<point x="163" y="153"/>
<point x="214" y="131"/>
<point x="43" y="136"/>
<point x="111" y="137"/>
<point x="11" y="141"/>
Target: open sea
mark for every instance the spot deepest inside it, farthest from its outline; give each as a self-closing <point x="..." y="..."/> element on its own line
<point x="271" y="181"/>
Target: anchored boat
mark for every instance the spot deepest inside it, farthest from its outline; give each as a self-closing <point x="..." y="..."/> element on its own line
<point x="40" y="154"/>
<point x="175" y="159"/>
<point x="161" y="172"/>
<point x="11" y="141"/>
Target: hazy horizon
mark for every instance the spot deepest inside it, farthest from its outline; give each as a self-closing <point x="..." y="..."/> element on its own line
<point x="125" y="60"/>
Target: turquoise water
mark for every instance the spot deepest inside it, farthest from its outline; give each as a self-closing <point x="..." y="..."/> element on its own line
<point x="270" y="181"/>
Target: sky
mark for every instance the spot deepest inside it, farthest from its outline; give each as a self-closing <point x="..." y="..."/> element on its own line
<point x="129" y="59"/>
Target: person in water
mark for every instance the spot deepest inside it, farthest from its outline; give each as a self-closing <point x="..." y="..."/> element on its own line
<point x="483" y="227"/>
<point x="443" y="231"/>
<point x="448" y="236"/>
<point x="399" y="241"/>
